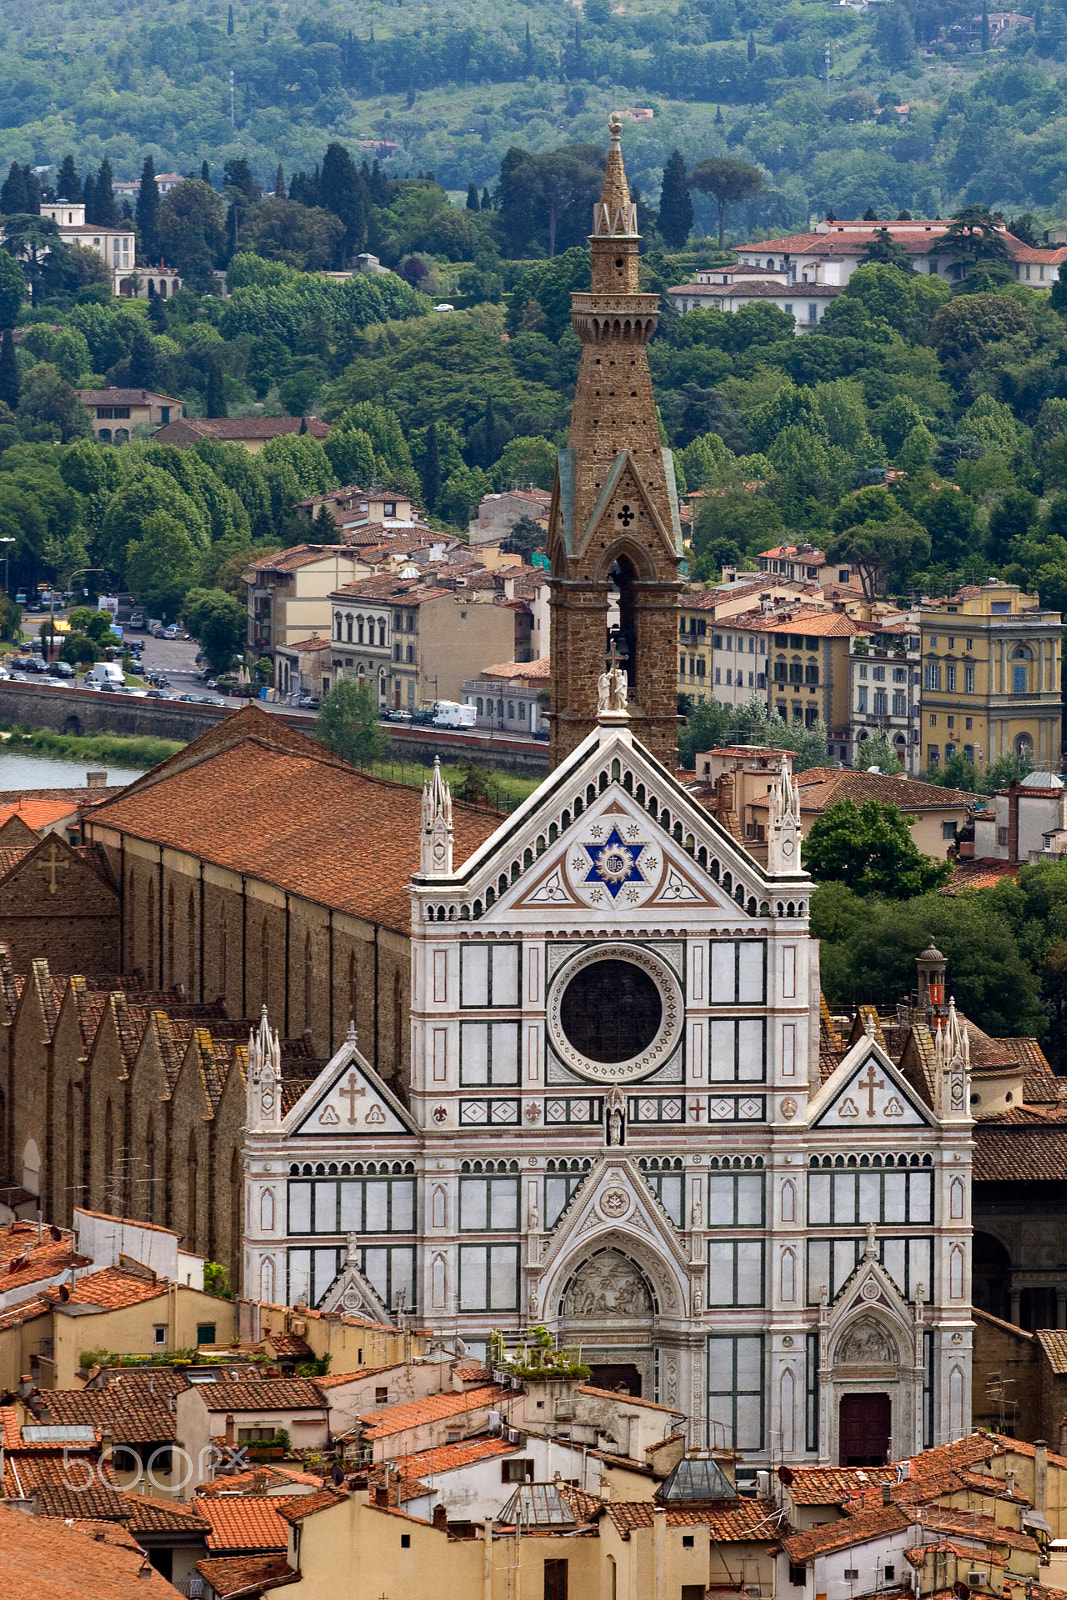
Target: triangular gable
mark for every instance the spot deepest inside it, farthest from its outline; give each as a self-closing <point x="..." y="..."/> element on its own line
<point x="53" y="867"/>
<point x="16" y="832"/>
<point x="625" y="475"/>
<point x="348" y="1100"/>
<point x="352" y="1294"/>
<point x="866" y="1091"/>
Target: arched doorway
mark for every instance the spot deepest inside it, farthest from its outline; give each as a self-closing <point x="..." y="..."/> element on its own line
<point x="991" y="1276"/>
<point x="610" y="1294"/>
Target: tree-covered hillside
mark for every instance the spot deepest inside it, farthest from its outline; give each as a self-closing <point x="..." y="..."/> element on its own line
<point x="449" y="89"/>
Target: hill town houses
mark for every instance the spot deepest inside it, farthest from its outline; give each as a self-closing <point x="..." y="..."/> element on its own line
<point x="617" y="1119"/>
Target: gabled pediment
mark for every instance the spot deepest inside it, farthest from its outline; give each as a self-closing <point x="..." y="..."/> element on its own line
<point x="612" y="832"/>
<point x="624" y="497"/>
<point x="867" y="1091"/>
<point x="348" y="1100"/>
<point x="352" y="1294"/>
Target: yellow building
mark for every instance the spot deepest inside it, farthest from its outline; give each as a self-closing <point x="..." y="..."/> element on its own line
<point x="991" y="677"/>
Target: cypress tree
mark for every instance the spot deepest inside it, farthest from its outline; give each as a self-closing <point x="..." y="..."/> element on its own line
<point x="719" y="118"/>
<point x="487" y="201"/>
<point x="107" y="212"/>
<point x="229" y="21"/>
<point x="303" y="425"/>
<point x="33" y="189"/>
<point x="147" y="211"/>
<point x="985" y="26"/>
<point x="528" y="58"/>
<point x="490" y="432"/>
<point x="751" y="48"/>
<point x="431" y="469"/>
<point x="675" y="206"/>
<point x="9" y="372"/>
<point x="215" y="394"/>
<point x="13" y="192"/>
<point x="205" y="172"/>
<point x="472" y="197"/>
<point x="68" y="184"/>
<point x="89" y="196"/>
<point x="142" y="364"/>
<point x="279" y="183"/>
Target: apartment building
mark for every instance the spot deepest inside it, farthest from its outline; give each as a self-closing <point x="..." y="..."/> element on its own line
<point x="991" y="676"/>
<point x="885" y="676"/>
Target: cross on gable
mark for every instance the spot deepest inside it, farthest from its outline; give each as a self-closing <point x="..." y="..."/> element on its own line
<point x="352" y="1092"/>
<point x="865" y="1094"/>
<point x="54" y="861"/>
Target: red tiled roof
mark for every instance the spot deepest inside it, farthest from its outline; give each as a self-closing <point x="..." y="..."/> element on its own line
<point x="43" y="1559"/>
<point x="540" y="668"/>
<point x="66" y="1484"/>
<point x="1019" y="1151"/>
<point x="111" y="1289"/>
<point x="850" y="1530"/>
<point x="265" y="1394"/>
<point x="743" y="1520"/>
<point x="146" y="1514"/>
<point x="134" y="1406"/>
<point x="847" y="238"/>
<point x="427" y="1463"/>
<point x="233" y="1576"/>
<point x="823" y="786"/>
<point x="189" y="429"/>
<point x="123" y="397"/>
<point x="257" y="1480"/>
<point x="398" y="1419"/>
<point x="245" y="1522"/>
<point x="308" y="1505"/>
<point x="351" y="843"/>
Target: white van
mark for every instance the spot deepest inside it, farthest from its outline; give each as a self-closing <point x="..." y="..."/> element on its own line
<point x="450" y="714"/>
<point x="106" y="672"/>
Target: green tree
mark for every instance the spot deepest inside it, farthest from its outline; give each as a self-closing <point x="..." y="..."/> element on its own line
<point x="728" y="181"/>
<point x="525" y="461"/>
<point x="431" y="468"/>
<point x="161" y="565"/>
<point x="877" y="751"/>
<point x="12" y="290"/>
<point x="883" y="248"/>
<point x="343" y="191"/>
<point x="190" y="227"/>
<point x="147" y="212"/>
<point x="524" y="537"/>
<point x="9" y="371"/>
<point x="49" y="408"/>
<point x="349" y="724"/>
<point x="305" y="237"/>
<point x="976" y="238"/>
<point x="461" y="493"/>
<point x="894" y="36"/>
<point x="34" y="240"/>
<point x="675" y="206"/>
<point x="68" y="185"/>
<point x="870" y="850"/>
<point x="351" y="455"/>
<point x="215" y="393"/>
<point x="219" y="621"/>
<point x="79" y="650"/>
<point x="884" y="553"/>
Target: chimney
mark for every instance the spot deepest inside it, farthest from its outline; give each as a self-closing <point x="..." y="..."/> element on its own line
<point x="96" y="780"/>
<point x="381" y="1494"/>
<point x="1013" y="820"/>
<point x="231" y="1430"/>
<point x="887" y="1494"/>
<point x="1040" y="1475"/>
<point x="440" y="1517"/>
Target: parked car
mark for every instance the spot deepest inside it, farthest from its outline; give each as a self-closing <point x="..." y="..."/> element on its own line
<point x="540" y="733"/>
<point x="63" y="669"/>
<point x="157" y="694"/>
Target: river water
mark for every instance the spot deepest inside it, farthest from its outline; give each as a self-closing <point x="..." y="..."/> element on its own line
<point x="23" y="771"/>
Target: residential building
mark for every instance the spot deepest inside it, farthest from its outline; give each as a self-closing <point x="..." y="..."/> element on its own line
<point x="507" y="698"/>
<point x="807" y="665"/>
<point x="251" y="432"/>
<point x="353" y="507"/>
<point x="114" y="414"/>
<point x="497" y="514"/>
<point x="804" y="563"/>
<point x="885" y="677"/>
<point x="1025" y="822"/>
<point x="50" y="1559"/>
<point x="435" y="636"/>
<point x="116" y="247"/>
<point x="991" y="677"/>
<point x="731" y="288"/>
<point x="289" y="594"/>
<point x="303" y="669"/>
<point x="832" y="251"/>
<point x="717" y="659"/>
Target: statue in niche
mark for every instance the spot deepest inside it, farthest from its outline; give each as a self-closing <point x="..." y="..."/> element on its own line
<point x="616" y="1116"/>
<point x="607" y="1285"/>
<point x="867" y="1344"/>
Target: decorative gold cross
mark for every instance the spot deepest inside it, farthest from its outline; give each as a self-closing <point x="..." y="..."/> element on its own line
<point x="871" y="1083"/>
<point x="54" y="860"/>
<point x="352" y="1093"/>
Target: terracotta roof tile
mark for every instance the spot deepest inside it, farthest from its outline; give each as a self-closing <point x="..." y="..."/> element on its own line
<point x="134" y="1407"/>
<point x="741" y="1520"/>
<point x="233" y="1576"/>
<point x="398" y="1419"/>
<point x="427" y="1463"/>
<point x="850" y="1530"/>
<point x="518" y="669"/>
<point x="43" y="1559"/>
<point x="123" y="397"/>
<point x="266" y="1394"/>
<point x="146" y="1514"/>
<point x="627" y="1399"/>
<point x="823" y="786"/>
<point x="1019" y="1152"/>
<point x="65" y="1484"/>
<point x="308" y="1505"/>
<point x="352" y="843"/>
<point x="111" y="1289"/>
<point x="244" y="1523"/>
<point x="257" y="1480"/>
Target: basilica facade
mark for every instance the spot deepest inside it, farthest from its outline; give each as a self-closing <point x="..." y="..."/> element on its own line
<point x="618" y="1122"/>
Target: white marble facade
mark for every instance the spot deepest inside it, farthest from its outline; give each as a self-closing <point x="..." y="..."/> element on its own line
<point x="617" y="1127"/>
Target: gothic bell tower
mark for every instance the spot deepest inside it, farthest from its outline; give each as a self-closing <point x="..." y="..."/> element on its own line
<point x="614" y="539"/>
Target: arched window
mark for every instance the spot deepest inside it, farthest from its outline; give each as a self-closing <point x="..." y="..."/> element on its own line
<point x="150" y="1171"/>
<point x="359" y="630"/>
<point x="348" y="628"/>
<point x="190" y="946"/>
<point x="192" y="1178"/>
<point x="308" y="982"/>
<point x="337" y="625"/>
<point x="264" y="963"/>
<point x="222" y="951"/>
<point x="381" y="631"/>
<point x="479" y="705"/>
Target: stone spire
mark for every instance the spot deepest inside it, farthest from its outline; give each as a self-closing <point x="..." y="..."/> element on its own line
<point x="435" y="854"/>
<point x="614" y="539"/>
<point x="783" y="822"/>
<point x="615" y="213"/>
<point x="264" y="1075"/>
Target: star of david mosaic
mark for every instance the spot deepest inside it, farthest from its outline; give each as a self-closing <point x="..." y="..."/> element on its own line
<point x="614" y="863"/>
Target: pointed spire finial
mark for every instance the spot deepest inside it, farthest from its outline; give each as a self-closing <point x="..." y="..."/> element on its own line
<point x="436" y="834"/>
<point x="615" y="214"/>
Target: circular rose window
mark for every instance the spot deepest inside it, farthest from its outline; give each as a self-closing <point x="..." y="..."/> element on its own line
<point x="615" y="1012"/>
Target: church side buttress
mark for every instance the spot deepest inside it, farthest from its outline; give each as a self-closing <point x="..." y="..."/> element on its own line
<point x="614" y="538"/>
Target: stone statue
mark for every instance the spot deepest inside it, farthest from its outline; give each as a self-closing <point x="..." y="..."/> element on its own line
<point x="603" y="692"/>
<point x="620" y="689"/>
<point x="616" y="1116"/>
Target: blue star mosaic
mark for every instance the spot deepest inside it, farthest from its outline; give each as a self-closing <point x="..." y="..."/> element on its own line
<point x="614" y="863"/>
